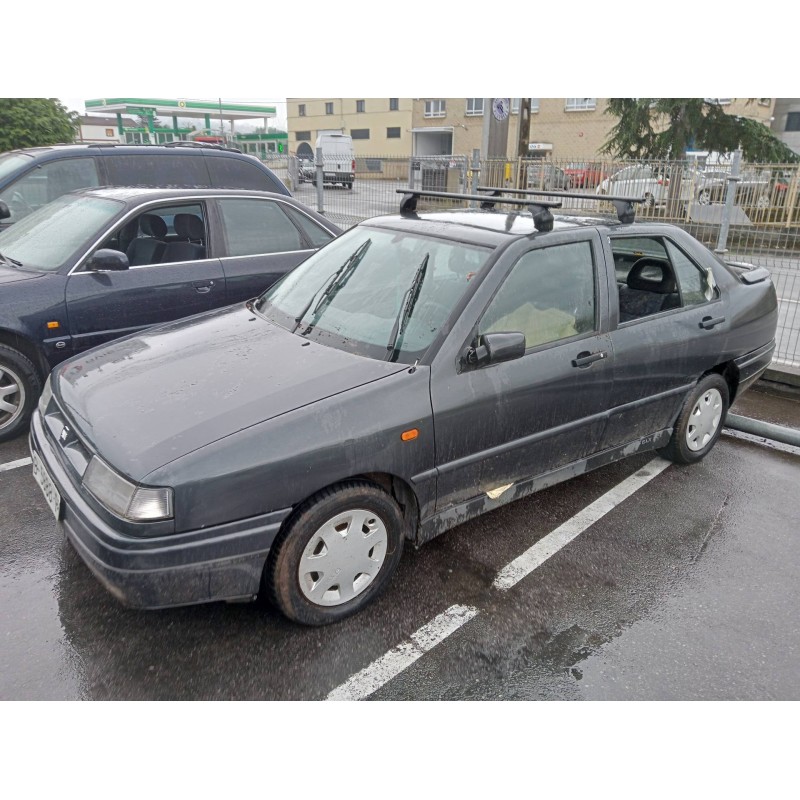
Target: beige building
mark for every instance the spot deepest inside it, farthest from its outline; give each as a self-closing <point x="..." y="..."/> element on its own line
<point x="379" y="126"/>
<point x="562" y="128"/>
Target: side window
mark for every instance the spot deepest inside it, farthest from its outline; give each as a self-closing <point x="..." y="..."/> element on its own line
<point x="254" y="226"/>
<point x="549" y="295"/>
<point x="315" y="233"/>
<point x="696" y="286"/>
<point x="645" y="277"/>
<point x="47" y="182"/>
<point x="157" y="169"/>
<point x="163" y="235"/>
<point x="237" y="173"/>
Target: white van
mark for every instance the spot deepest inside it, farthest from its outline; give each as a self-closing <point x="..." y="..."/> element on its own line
<point x="338" y="158"/>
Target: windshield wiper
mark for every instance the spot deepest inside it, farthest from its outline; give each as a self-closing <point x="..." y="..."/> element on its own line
<point x="332" y="285"/>
<point x="407" y="309"/>
<point x="12" y="262"/>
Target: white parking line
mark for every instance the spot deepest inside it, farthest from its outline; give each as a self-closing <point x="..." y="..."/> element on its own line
<point x="379" y="672"/>
<point x="535" y="556"/>
<point x="22" y="462"/>
<point x="388" y="666"/>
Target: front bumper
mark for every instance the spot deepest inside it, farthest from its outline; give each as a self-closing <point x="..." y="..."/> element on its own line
<point x="223" y="562"/>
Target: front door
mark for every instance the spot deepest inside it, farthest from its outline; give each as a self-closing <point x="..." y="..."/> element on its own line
<point x="171" y="275"/>
<point x="500" y="424"/>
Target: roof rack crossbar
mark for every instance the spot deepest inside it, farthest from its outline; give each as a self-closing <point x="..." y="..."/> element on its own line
<point x="540" y="209"/>
<point x="626" y="213"/>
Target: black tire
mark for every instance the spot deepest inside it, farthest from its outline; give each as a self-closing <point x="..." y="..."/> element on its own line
<point x="679" y="449"/>
<point x="282" y="579"/>
<point x="17" y="371"/>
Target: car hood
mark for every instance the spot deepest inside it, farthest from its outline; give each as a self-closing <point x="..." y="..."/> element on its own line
<point x="148" y="399"/>
<point x="12" y="275"/>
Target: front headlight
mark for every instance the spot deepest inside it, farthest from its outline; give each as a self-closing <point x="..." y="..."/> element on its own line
<point x="125" y="499"/>
<point x="47" y="394"/>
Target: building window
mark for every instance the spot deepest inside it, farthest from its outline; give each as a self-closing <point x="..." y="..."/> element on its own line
<point x="360" y="107"/>
<point x="474" y="107"/>
<point x="301" y="109"/>
<point x="534" y="105"/>
<point x="393" y="133"/>
<point x="394" y="104"/>
<point x="793" y="121"/>
<point x="719" y="101"/>
<point x="435" y="108"/>
<point x="516" y="102"/>
<point x="329" y="108"/>
<point x="302" y="136"/>
<point x="579" y="104"/>
<point x="360" y="133"/>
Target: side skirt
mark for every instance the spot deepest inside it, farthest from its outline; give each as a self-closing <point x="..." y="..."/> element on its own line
<point x="437" y="524"/>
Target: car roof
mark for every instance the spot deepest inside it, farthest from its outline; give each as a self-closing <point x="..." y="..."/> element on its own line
<point x="133" y="194"/>
<point x="488" y="228"/>
<point x="180" y="148"/>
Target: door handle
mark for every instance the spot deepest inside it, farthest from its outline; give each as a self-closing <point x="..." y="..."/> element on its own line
<point x="586" y="359"/>
<point x="707" y="323"/>
<point x="203" y="288"/>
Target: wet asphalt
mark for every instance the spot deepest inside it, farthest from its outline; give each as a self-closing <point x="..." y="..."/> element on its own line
<point x="686" y="590"/>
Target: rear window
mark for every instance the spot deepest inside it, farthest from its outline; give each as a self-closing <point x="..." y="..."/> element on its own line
<point x="236" y="173"/>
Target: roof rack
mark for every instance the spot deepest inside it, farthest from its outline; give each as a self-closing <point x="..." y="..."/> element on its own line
<point x="626" y="213"/>
<point x="540" y="209"/>
<point x="210" y="145"/>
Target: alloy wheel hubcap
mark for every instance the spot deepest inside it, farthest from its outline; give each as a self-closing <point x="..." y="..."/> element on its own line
<point x="12" y="396"/>
<point x="343" y="557"/>
<point x="704" y="420"/>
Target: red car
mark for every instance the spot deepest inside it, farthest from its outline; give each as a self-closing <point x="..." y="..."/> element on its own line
<point x="584" y="175"/>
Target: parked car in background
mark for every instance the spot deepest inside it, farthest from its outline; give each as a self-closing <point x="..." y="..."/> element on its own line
<point x="98" y="264"/>
<point x="34" y="177"/>
<point x="752" y="189"/>
<point x="637" y="180"/>
<point x="585" y="175"/>
<point x="418" y="371"/>
<point x="306" y="170"/>
<point x="547" y="176"/>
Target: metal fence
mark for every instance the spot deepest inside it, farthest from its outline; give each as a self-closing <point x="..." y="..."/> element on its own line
<point x="761" y="224"/>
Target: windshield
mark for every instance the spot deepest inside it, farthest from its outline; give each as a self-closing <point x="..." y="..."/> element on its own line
<point x="378" y="293"/>
<point x="46" y="239"/>
<point x="13" y="161"/>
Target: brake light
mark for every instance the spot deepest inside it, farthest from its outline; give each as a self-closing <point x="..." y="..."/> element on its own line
<point x="353" y="166"/>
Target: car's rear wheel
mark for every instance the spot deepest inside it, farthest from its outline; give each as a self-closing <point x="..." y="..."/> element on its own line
<point x="336" y="554"/>
<point x="700" y="421"/>
<point x="704" y="197"/>
<point x="20" y="387"/>
<point x="649" y="201"/>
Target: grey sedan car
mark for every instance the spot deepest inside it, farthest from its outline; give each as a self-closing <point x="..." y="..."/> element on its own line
<point x="419" y="370"/>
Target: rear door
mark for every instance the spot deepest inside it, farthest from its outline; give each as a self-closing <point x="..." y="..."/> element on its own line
<point x="261" y="240"/>
<point x="500" y="424"/>
<point x="178" y="277"/>
<point x="666" y="338"/>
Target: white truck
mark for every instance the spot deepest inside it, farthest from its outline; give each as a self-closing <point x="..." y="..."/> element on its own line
<point x="338" y="158"/>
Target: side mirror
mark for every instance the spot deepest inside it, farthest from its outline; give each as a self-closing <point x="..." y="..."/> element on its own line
<point x="108" y="260"/>
<point x="5" y="212"/>
<point x="495" y="348"/>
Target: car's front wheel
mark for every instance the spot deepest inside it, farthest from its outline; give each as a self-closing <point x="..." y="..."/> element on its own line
<point x="336" y="554"/>
<point x="20" y="387"/>
<point x="700" y="421"/>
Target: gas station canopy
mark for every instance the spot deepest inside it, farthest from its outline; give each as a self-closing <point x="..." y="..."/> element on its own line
<point x="197" y="109"/>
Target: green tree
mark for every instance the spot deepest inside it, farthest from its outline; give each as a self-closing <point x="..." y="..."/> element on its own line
<point x="35" y="122"/>
<point x="665" y="127"/>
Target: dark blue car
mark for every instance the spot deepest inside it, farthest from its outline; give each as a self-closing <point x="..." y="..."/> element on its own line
<point x="95" y="265"/>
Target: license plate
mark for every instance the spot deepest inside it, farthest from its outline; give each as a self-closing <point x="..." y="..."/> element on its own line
<point x="47" y="486"/>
